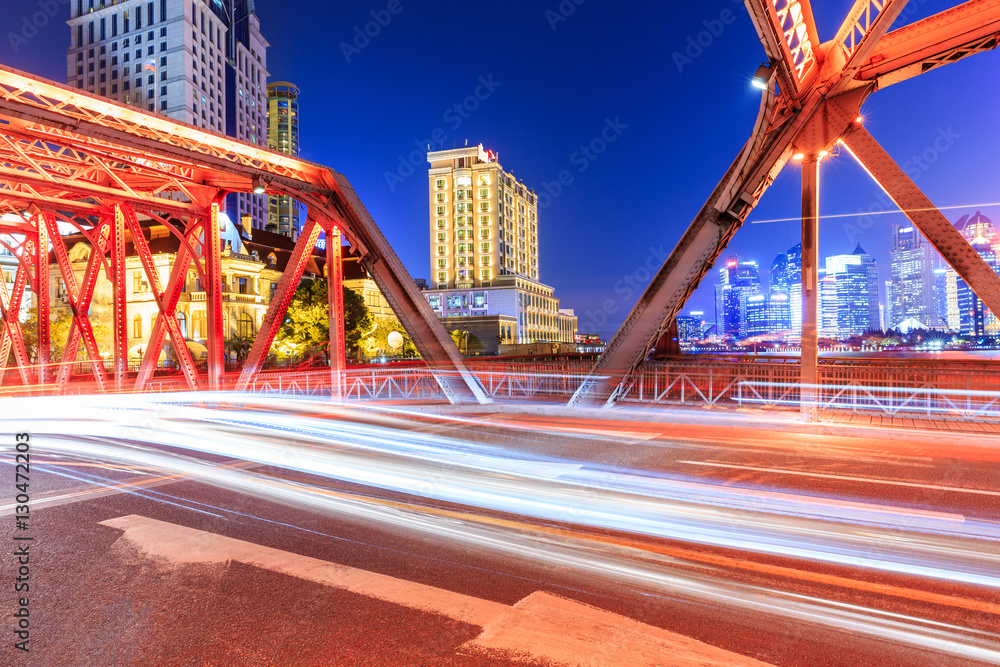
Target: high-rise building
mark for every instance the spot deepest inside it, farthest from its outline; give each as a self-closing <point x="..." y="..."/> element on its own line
<point x="974" y="318"/>
<point x="779" y="313"/>
<point x="786" y="278"/>
<point x="688" y="328"/>
<point x="484" y="251"/>
<point x="484" y="222"/>
<point x="757" y="316"/>
<point x="911" y="293"/>
<point x="201" y="62"/>
<point x="946" y="293"/>
<point x="284" y="215"/>
<point x="737" y="282"/>
<point x="854" y="281"/>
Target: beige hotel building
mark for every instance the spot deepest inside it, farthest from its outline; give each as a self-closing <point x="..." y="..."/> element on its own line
<point x="484" y="222"/>
<point x="484" y="253"/>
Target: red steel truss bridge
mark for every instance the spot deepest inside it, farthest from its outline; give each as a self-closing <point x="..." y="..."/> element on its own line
<point x="73" y="161"/>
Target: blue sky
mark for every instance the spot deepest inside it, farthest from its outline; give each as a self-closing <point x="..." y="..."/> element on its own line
<point x="557" y="80"/>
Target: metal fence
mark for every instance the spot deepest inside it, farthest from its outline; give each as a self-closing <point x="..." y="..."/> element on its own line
<point x="967" y="390"/>
<point x="911" y="388"/>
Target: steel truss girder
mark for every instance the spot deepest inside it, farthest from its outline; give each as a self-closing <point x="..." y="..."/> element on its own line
<point x="807" y="121"/>
<point x="967" y="29"/>
<point x="788" y="33"/>
<point x="275" y="314"/>
<point x="119" y="289"/>
<point x="943" y="235"/>
<point x="335" y="297"/>
<point x="41" y="286"/>
<point x="100" y="239"/>
<point x="71" y="151"/>
<point x="81" y="317"/>
<point x="166" y="304"/>
<point x="11" y="335"/>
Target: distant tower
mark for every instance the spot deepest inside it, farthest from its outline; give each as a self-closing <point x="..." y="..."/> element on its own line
<point x="284" y="214"/>
<point x="912" y="295"/>
<point x="854" y="280"/>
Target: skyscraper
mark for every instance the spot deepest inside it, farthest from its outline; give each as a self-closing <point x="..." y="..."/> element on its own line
<point x="974" y="318"/>
<point x="199" y="62"/>
<point x="911" y="293"/>
<point x="792" y="276"/>
<point x="854" y="281"/>
<point x="738" y="282"/>
<point x="284" y="214"/>
<point x="484" y="222"/>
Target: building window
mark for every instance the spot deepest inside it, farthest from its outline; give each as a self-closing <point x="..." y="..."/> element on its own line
<point x="199" y="323"/>
<point x="441" y="210"/>
<point x="245" y="325"/>
<point x="137" y="327"/>
<point x="183" y="324"/>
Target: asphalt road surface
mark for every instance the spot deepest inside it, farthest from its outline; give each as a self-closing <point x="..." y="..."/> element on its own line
<point x="200" y="530"/>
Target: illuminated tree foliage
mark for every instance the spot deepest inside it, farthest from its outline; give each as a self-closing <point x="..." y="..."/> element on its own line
<point x="306" y="329"/>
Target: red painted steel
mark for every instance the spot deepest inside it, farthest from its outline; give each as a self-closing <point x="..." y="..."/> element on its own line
<point x="120" y="300"/>
<point x="809" y="106"/>
<point x="81" y="316"/>
<point x="81" y="158"/>
<point x="275" y="314"/>
<point x="41" y="288"/>
<point x="212" y="256"/>
<point x="335" y="292"/>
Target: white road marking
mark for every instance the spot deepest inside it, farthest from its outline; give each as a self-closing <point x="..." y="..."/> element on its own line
<point x="890" y="482"/>
<point x="542" y="625"/>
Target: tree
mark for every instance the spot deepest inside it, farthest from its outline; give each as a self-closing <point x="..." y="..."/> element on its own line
<point x="306" y="329"/>
<point x="240" y="345"/>
<point x="377" y="340"/>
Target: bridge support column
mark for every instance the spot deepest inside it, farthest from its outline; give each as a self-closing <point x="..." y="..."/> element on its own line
<point x="212" y="252"/>
<point x="335" y="292"/>
<point x="120" y="292"/>
<point x="42" y="297"/>
<point x="809" y="377"/>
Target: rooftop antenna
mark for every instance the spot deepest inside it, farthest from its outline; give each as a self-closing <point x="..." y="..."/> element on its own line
<point x="466" y="143"/>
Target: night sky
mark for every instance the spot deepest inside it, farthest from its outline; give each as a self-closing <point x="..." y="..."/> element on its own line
<point x="555" y="86"/>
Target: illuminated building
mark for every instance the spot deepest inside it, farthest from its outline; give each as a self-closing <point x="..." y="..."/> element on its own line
<point x="853" y="280"/>
<point x="786" y="278"/>
<point x="688" y="328"/>
<point x="738" y="281"/>
<point x="484" y="249"/>
<point x="203" y="63"/>
<point x="911" y="291"/>
<point x="284" y="215"/>
<point x="484" y="222"/>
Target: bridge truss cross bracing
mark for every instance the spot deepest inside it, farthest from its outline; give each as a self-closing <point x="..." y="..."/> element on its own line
<point x="74" y="163"/>
<point x="810" y="108"/>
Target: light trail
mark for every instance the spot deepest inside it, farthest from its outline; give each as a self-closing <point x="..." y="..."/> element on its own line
<point x="378" y="450"/>
<point x="847" y="478"/>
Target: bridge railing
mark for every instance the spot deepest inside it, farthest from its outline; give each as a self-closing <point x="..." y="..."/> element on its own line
<point x="910" y="388"/>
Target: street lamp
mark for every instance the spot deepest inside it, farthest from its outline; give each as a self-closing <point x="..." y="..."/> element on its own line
<point x="762" y="79"/>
